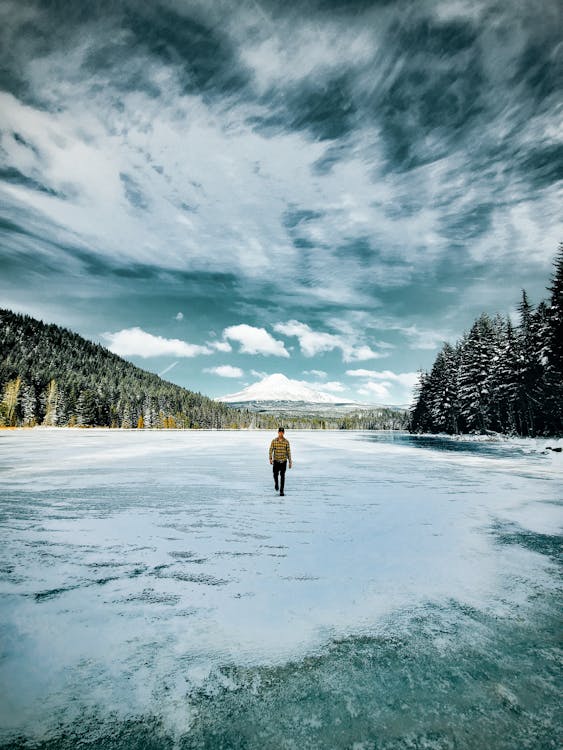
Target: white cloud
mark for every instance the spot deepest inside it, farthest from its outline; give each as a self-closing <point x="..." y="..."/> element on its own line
<point x="315" y="373"/>
<point x="360" y="353"/>
<point x="334" y="386"/>
<point x="291" y="53"/>
<point x="361" y="373"/>
<point x="310" y="341"/>
<point x="255" y="340"/>
<point x="179" y="316"/>
<point x="407" y="379"/>
<point x="220" y="346"/>
<point x="225" y="371"/>
<point x="394" y="387"/>
<point x="381" y="390"/>
<point x="423" y="339"/>
<point x="315" y="342"/>
<point x="136" y="342"/>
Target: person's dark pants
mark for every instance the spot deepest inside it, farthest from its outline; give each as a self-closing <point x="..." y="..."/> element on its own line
<point x="279" y="471"/>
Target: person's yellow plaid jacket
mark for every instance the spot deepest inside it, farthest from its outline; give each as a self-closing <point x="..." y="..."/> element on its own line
<point x="280" y="450"/>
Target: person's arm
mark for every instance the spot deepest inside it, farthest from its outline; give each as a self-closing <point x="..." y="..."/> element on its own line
<point x="289" y="454"/>
<point x="271" y="451"/>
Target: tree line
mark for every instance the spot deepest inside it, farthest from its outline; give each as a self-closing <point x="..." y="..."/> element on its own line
<point x="53" y="377"/>
<point x="499" y="377"/>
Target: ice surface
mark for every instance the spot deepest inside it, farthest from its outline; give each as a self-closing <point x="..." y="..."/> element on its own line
<point x="154" y="585"/>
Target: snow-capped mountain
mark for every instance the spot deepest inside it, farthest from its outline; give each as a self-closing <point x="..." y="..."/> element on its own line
<point x="278" y="387"/>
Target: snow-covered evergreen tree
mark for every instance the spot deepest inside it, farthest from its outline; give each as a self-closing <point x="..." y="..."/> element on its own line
<point x="29" y="405"/>
<point x="51" y="401"/>
<point x="554" y="349"/>
<point x="126" y="416"/>
<point x="420" y="418"/>
<point x="442" y="391"/>
<point x="86" y="409"/>
<point x="474" y="392"/>
<point x="149" y="413"/>
<point x="529" y="372"/>
<point x="505" y="379"/>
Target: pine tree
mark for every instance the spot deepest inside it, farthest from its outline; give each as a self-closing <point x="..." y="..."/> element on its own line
<point x="554" y="348"/>
<point x="86" y="409"/>
<point x="149" y="413"/>
<point x="442" y="391"/>
<point x="420" y="418"/>
<point x="556" y="316"/>
<point x="506" y="382"/>
<point x="476" y="352"/>
<point x="529" y="372"/>
<point x="51" y="404"/>
<point x="126" y="416"/>
<point x="29" y="406"/>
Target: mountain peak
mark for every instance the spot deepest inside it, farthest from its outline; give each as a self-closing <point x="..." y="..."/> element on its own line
<point x="278" y="387"/>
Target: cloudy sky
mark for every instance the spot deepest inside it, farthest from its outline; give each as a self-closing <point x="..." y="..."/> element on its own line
<point x="221" y="190"/>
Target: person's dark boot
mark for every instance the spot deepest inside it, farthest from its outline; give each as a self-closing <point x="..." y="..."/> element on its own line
<point x="282" y="493"/>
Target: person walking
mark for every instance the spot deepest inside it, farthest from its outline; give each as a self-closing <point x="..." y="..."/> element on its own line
<point x="280" y="454"/>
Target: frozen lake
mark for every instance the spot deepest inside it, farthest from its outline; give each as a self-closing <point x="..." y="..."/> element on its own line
<point x="157" y="593"/>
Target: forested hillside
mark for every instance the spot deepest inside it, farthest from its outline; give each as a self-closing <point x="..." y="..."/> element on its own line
<point x="500" y="377"/>
<point x="52" y="376"/>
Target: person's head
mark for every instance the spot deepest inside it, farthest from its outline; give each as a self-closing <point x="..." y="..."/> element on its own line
<point x="280" y="431"/>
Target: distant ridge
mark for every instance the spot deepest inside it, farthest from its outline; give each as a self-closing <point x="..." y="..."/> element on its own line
<point x="278" y="388"/>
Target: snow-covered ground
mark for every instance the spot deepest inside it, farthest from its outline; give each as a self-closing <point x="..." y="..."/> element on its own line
<point x="153" y="583"/>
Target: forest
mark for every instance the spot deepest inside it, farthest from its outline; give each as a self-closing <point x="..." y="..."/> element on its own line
<point x="500" y="377"/>
<point x="53" y="377"/>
